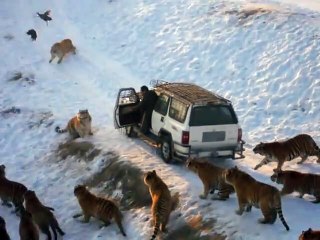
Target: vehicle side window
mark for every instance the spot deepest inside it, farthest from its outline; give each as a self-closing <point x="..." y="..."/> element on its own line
<point x="178" y="110"/>
<point x="162" y="104"/>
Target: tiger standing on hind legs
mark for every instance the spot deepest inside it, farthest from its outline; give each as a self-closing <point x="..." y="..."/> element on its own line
<point x="162" y="201"/>
<point x="301" y="145"/>
<point x="254" y="193"/>
<point x="42" y="215"/>
<point x="11" y="191"/>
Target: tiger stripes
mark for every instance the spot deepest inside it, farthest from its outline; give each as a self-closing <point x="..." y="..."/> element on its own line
<point x="212" y="178"/>
<point x="162" y="201"/>
<point x="98" y="207"/>
<point x="301" y="145"/>
<point x="11" y="191"/>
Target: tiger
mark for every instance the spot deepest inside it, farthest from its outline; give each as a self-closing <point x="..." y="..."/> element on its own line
<point x="79" y="125"/>
<point x="301" y="145"/>
<point x="28" y="230"/>
<point x="98" y="207"/>
<point x="11" y="191"/>
<point x="310" y="235"/>
<point x="3" y="231"/>
<point x="162" y="201"/>
<point x="251" y="192"/>
<point x="212" y="178"/>
<point x="304" y="183"/>
<point x="60" y="49"/>
<point x="42" y="215"/>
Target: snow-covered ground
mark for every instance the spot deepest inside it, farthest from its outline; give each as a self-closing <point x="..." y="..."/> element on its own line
<point x="266" y="62"/>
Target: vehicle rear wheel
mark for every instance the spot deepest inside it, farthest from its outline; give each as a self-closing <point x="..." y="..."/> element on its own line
<point x="166" y="149"/>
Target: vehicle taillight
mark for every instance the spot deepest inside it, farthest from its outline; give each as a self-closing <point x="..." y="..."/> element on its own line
<point x="239" y="134"/>
<point x="185" y="137"/>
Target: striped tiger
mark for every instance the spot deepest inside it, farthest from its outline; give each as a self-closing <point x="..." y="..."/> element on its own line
<point x="162" y="201"/>
<point x="79" y="125"/>
<point x="310" y="235"/>
<point x="304" y="183"/>
<point x="98" y="207"/>
<point x="301" y="145"/>
<point x="42" y="215"/>
<point x="212" y="178"/>
<point x="251" y="192"/>
<point x="28" y="230"/>
<point x="11" y="191"/>
<point x="3" y="231"/>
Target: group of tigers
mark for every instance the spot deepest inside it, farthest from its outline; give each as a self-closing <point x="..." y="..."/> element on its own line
<point x="250" y="192"/>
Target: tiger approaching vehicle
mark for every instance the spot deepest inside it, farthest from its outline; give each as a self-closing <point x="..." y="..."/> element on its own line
<point x="304" y="183"/>
<point x="212" y="178"/>
<point x="301" y="145"/>
<point x="254" y="193"/>
<point x="162" y="201"/>
<point x="98" y="207"/>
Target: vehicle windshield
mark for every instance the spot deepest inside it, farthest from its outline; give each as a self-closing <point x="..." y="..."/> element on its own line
<point x="212" y="115"/>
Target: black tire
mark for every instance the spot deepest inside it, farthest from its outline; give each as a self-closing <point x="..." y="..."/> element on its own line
<point x="166" y="149"/>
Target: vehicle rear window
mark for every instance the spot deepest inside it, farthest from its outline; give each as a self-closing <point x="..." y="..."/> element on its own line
<point x="178" y="110"/>
<point x="212" y="115"/>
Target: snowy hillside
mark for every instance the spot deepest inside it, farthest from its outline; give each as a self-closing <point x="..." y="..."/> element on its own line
<point x="263" y="56"/>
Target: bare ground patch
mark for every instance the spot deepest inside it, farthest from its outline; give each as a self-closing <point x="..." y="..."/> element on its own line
<point x="127" y="180"/>
<point x="18" y="76"/>
<point x="82" y="150"/>
<point x="195" y="228"/>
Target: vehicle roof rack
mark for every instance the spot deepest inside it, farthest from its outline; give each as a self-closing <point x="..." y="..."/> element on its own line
<point x="189" y="93"/>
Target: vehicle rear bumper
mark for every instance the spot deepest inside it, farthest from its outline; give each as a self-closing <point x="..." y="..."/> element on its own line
<point x="187" y="151"/>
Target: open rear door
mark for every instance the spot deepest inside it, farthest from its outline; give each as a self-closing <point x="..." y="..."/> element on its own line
<point x="127" y="97"/>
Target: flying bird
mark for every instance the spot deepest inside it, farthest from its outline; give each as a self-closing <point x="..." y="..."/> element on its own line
<point x="32" y="33"/>
<point x="45" y="16"/>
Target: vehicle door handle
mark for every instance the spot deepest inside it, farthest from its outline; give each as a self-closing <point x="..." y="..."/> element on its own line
<point x="162" y="118"/>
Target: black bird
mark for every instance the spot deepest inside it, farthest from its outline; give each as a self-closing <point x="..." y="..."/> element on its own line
<point x="32" y="33"/>
<point x="45" y="16"/>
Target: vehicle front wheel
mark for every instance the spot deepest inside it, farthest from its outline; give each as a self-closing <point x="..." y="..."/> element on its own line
<point x="166" y="150"/>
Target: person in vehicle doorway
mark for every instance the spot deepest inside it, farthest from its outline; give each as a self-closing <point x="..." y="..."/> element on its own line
<point x="146" y="105"/>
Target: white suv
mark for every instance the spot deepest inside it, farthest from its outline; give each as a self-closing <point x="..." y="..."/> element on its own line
<point x="187" y="120"/>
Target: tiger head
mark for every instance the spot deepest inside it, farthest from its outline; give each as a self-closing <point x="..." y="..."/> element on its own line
<point x="80" y="190"/>
<point x="309" y="235"/>
<point x="150" y="177"/>
<point x="192" y="164"/>
<point x="83" y="114"/>
<point x="259" y="148"/>
<point x="2" y="170"/>
<point x="232" y="175"/>
<point x="29" y="195"/>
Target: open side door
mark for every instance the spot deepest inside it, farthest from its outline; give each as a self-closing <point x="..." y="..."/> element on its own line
<point x="127" y="97"/>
